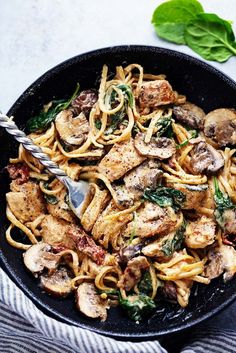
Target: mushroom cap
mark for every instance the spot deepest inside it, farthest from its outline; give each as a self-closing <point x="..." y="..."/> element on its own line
<point x="158" y="147"/>
<point x="58" y="284"/>
<point x="38" y="257"/>
<point x="189" y="114"/>
<point x="220" y="125"/>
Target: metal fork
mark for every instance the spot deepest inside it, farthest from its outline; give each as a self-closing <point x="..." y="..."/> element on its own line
<point x="77" y="190"/>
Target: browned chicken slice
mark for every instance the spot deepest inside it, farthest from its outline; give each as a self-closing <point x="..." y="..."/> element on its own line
<point x="220" y="125"/>
<point x="158" y="147"/>
<point x="222" y="259"/>
<point x="152" y="220"/>
<point x="121" y="158"/>
<point x="28" y="203"/>
<point x="57" y="284"/>
<point x="73" y="131"/>
<point x="194" y="194"/>
<point x="61" y="209"/>
<point x="190" y="114"/>
<point x="94" y="209"/>
<point x="105" y="229"/>
<point x="133" y="272"/>
<point x="155" y="249"/>
<point x="146" y="175"/>
<point x="54" y="231"/>
<point x="90" y="303"/>
<point x="155" y="93"/>
<point x="87" y="245"/>
<point x="206" y="158"/>
<point x="200" y="233"/>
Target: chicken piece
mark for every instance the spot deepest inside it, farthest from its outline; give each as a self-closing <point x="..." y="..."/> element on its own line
<point x="94" y="209"/>
<point x="61" y="209"/>
<point x="18" y="172"/>
<point x="90" y="303"/>
<point x="121" y="158"/>
<point x="206" y="158"/>
<point x="73" y="131"/>
<point x="158" y="147"/>
<point x="54" y="231"/>
<point x="85" y="101"/>
<point x="28" y="203"/>
<point x="87" y="245"/>
<point x="194" y="194"/>
<point x="152" y="220"/>
<point x="222" y="259"/>
<point x="106" y="229"/>
<point x="133" y="272"/>
<point x="146" y="175"/>
<point x="189" y="114"/>
<point x="220" y="125"/>
<point x="57" y="284"/>
<point x="228" y="221"/>
<point x="200" y="233"/>
<point x="155" y="93"/>
<point x="155" y="249"/>
<point x="38" y="257"/>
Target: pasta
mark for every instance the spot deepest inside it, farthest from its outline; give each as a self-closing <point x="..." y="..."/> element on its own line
<point x="161" y="207"/>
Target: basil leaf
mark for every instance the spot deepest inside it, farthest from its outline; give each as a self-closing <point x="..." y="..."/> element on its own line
<point x="174" y="243"/>
<point x="211" y="37"/>
<point x="137" y="306"/>
<point x="41" y="122"/>
<point x="165" y="197"/>
<point x="170" y="18"/>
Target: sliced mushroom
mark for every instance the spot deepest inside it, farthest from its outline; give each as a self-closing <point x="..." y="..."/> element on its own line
<point x="168" y="291"/>
<point x="129" y="252"/>
<point x="123" y="196"/>
<point x="155" y="93"/>
<point x="85" y="101"/>
<point x="206" y="158"/>
<point x="158" y="147"/>
<point x="189" y="114"/>
<point x="222" y="259"/>
<point x="194" y="194"/>
<point x="200" y="233"/>
<point x="90" y="303"/>
<point x="58" y="284"/>
<point x="72" y="131"/>
<point x="220" y="125"/>
<point x="133" y="272"/>
<point x="38" y="257"/>
<point x="228" y="221"/>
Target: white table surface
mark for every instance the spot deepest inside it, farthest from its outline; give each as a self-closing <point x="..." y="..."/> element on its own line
<point x="35" y="35"/>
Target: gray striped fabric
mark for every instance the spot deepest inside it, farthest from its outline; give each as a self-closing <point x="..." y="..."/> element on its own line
<point x="24" y="328"/>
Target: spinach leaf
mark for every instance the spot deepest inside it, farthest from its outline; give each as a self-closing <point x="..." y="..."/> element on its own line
<point x="170" y="18"/>
<point x="184" y="143"/>
<point x="98" y="124"/>
<point x="163" y="125"/>
<point x="223" y="203"/>
<point x="41" y="122"/>
<point x="116" y="120"/>
<point x="175" y="243"/>
<point x="145" y="285"/>
<point x="49" y="198"/>
<point x="127" y="92"/>
<point x="211" y="37"/>
<point x="165" y="197"/>
<point x="137" y="306"/>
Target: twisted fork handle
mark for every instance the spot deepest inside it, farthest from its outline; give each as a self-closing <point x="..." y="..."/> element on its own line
<point x="29" y="145"/>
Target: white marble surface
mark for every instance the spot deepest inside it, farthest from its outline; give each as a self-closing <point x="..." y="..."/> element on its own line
<point x="35" y="35"/>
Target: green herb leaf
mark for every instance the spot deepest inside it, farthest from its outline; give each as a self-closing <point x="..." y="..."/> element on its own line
<point x="211" y="37"/>
<point x="145" y="285"/>
<point x="163" y="125"/>
<point x="170" y="18"/>
<point x="174" y="243"/>
<point x="223" y="203"/>
<point x="42" y="121"/>
<point x="49" y="198"/>
<point x="165" y="197"/>
<point x="98" y="124"/>
<point x="137" y="306"/>
<point x="184" y="143"/>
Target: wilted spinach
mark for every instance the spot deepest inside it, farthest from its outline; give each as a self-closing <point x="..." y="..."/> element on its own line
<point x="145" y="284"/>
<point x="165" y="197"/>
<point x="223" y="203"/>
<point x="49" y="198"/>
<point x="163" y="125"/>
<point x="137" y="306"/>
<point x="174" y="243"/>
<point x="41" y="122"/>
<point x="184" y="143"/>
<point x="98" y="124"/>
<point x="127" y="92"/>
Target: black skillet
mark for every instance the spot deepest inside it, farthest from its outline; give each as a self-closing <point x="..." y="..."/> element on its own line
<point x="203" y="85"/>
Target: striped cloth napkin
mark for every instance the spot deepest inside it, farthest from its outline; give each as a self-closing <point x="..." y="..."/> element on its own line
<point x="24" y="328"/>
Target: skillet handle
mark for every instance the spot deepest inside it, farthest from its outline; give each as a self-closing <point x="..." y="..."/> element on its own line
<point x="30" y="146"/>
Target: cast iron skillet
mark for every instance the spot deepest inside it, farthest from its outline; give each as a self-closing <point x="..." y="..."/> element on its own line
<point x="203" y="85"/>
